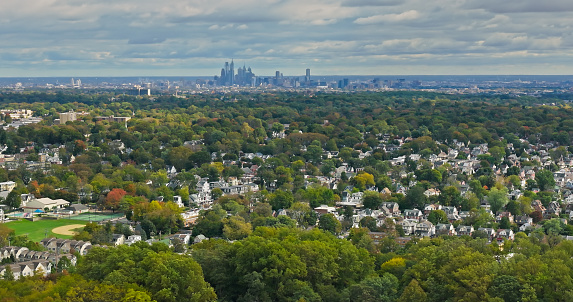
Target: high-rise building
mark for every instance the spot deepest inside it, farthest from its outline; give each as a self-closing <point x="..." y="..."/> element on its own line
<point x="244" y="76"/>
<point x="307" y="77"/>
<point x="232" y="73"/>
<point x="67" y="117"/>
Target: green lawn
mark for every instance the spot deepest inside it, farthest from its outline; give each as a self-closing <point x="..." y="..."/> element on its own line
<point x="36" y="231"/>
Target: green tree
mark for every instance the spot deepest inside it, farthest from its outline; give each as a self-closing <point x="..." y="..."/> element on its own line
<point x="384" y="289"/>
<point x="281" y="200"/>
<point x="13" y="199"/>
<point x="8" y="274"/>
<point x="438" y="216"/>
<point x="545" y="180"/>
<point x="413" y="292"/>
<point x="167" y="276"/>
<point x="415" y="198"/>
<point x="235" y="228"/>
<point x="329" y="223"/>
<point x="450" y="196"/>
<point x="372" y="200"/>
<point x="369" y="222"/>
<point x="497" y="198"/>
<point x="506" y="287"/>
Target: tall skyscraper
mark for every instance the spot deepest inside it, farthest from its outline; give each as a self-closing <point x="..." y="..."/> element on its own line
<point x="244" y="76"/>
<point x="307" y="77"/>
<point x="232" y="73"/>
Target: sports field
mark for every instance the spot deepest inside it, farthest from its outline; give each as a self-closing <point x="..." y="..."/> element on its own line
<point x="96" y="216"/>
<point x="37" y="230"/>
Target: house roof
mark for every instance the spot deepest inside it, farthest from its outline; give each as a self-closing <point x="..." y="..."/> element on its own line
<point x="45" y="202"/>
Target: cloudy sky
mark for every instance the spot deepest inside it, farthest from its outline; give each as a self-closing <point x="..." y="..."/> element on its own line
<point x="332" y="37"/>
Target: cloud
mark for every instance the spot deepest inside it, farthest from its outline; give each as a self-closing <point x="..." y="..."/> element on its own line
<point x="146" y="40"/>
<point x="405" y="16"/>
<point x="358" y="3"/>
<point x="522" y="6"/>
<point x="192" y="37"/>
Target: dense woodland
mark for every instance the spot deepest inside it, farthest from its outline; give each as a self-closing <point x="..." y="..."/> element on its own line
<point x="262" y="256"/>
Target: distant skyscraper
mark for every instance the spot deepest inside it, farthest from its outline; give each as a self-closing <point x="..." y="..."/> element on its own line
<point x="244" y="76"/>
<point x="232" y="73"/>
<point x="307" y="77"/>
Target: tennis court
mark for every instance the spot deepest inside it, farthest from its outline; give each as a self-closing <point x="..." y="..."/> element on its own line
<point x="96" y="216"/>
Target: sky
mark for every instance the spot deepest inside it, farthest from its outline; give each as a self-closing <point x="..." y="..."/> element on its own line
<point x="331" y="37"/>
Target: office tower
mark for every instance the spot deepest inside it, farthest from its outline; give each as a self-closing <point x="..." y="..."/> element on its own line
<point x="307" y="77"/>
<point x="232" y="73"/>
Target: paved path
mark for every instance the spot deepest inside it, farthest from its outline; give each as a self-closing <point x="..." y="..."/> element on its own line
<point x="67" y="229"/>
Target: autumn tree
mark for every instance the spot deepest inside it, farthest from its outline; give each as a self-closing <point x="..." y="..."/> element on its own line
<point x="113" y="198"/>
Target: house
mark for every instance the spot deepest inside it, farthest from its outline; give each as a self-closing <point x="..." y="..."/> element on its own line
<point x="131" y="239"/>
<point x="324" y="209"/>
<point x="523" y="219"/>
<point x="118" y="239"/>
<point x="199" y="238"/>
<point x="413" y="214"/>
<point x="425" y="229"/>
<point x="504" y="234"/>
<point x="402" y="241"/>
<point x="184" y="238"/>
<point x="526" y="226"/>
<point x="7" y="186"/>
<point x="77" y="208"/>
<point x="489" y="232"/>
<point x="464" y="230"/>
<point x="452" y="213"/>
<point x="66" y="246"/>
<point x="178" y="201"/>
<point x="553" y="209"/>
<point x="432" y="192"/>
<point x="431" y="207"/>
<point x="538" y="206"/>
<point x="392" y="207"/>
<point x="504" y="214"/>
<point x="409" y="226"/>
<point x="445" y="229"/>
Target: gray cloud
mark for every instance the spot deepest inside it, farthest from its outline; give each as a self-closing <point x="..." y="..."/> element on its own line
<point x="195" y="37"/>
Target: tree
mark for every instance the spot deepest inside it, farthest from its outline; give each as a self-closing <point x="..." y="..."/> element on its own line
<point x="497" y="152"/>
<point x="199" y="158"/>
<point x="450" y="196"/>
<point x="477" y="188"/>
<point x="363" y="179"/>
<point x="210" y="223"/>
<point x="415" y="198"/>
<point x="413" y="292"/>
<point x="8" y="274"/>
<point x="235" y="228"/>
<point x="281" y="200"/>
<point x="438" y="216"/>
<point x="545" y="180"/>
<point x="166" y="275"/>
<point x="497" y="198"/>
<point x="506" y="287"/>
<point x="383" y="289"/>
<point x="372" y="200"/>
<point x="13" y="199"/>
<point x="504" y="223"/>
<point x="113" y="198"/>
<point x="369" y="222"/>
<point x="329" y="223"/>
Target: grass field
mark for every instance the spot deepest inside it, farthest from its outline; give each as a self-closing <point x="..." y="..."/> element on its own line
<point x="36" y="231"/>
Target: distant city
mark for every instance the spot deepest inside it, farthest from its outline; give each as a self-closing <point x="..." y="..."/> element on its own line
<point x="245" y="79"/>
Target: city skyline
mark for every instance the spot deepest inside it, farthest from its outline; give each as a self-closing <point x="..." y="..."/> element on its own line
<point x="332" y="37"/>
